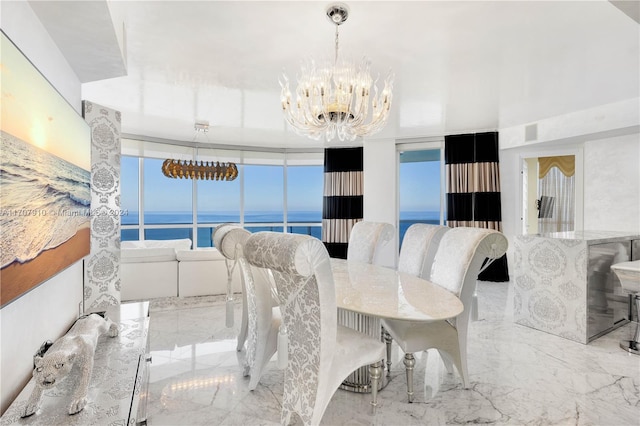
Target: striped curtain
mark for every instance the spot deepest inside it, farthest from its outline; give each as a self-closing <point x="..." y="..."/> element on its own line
<point x="473" y="189"/>
<point x="342" y="198"/>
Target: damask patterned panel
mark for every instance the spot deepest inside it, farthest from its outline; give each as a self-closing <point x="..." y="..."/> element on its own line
<point x="550" y="291"/>
<point x="102" y="266"/>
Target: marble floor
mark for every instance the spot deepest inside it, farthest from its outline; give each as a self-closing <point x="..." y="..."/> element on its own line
<point x="519" y="376"/>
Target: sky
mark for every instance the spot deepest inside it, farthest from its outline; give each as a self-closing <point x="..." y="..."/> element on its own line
<point x="420" y="186"/>
<point x="33" y="111"/>
<point x="263" y="189"/>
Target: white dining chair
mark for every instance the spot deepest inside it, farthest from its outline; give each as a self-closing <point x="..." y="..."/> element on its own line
<point x="263" y="319"/>
<point x="456" y="265"/>
<point x="320" y="353"/>
<point x="366" y="238"/>
<point x="418" y="250"/>
<point x="231" y="263"/>
<point x="365" y="241"/>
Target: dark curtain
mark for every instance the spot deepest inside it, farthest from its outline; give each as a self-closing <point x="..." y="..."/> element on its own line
<point x="342" y="199"/>
<point x="473" y="189"/>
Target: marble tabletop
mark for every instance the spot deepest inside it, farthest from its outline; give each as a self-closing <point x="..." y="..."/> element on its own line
<point x="592" y="236"/>
<point x="385" y="293"/>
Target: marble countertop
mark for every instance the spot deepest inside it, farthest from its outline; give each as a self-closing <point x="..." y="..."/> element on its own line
<point x="591" y="237"/>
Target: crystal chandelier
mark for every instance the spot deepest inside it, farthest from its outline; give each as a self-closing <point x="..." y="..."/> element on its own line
<point x="337" y="100"/>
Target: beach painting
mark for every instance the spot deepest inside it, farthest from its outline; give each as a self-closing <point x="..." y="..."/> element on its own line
<point x="45" y="192"/>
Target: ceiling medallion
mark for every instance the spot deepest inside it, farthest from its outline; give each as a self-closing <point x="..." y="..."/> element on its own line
<point x="336" y="100"/>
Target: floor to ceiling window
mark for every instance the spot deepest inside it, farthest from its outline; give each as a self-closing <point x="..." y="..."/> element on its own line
<point x="217" y="202"/>
<point x="261" y="198"/>
<point x="129" y="197"/>
<point x="304" y="199"/>
<point x="167" y="202"/>
<point x="420" y="188"/>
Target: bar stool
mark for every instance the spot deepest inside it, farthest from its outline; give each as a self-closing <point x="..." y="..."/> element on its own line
<point x="629" y="275"/>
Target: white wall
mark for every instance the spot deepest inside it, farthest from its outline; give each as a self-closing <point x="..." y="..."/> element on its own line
<point x="47" y="311"/>
<point x="612" y="183"/>
<point x="380" y="191"/>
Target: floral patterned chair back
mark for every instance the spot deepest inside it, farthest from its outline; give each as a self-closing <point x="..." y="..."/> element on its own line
<point x="419" y="248"/>
<point x="366" y="238"/>
<point x="318" y="360"/>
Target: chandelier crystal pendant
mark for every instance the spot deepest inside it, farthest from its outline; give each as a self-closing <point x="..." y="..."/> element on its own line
<point x="203" y="170"/>
<point x="190" y="169"/>
<point x="337" y="100"/>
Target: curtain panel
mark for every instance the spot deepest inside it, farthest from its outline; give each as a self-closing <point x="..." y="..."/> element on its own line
<point x="342" y="203"/>
<point x="473" y="189"/>
<point x="556" y="210"/>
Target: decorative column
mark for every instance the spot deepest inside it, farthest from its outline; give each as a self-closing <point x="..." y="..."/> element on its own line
<point x="343" y="197"/>
<point x="102" y="266"/>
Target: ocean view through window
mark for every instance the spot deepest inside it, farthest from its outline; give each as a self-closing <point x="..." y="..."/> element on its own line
<point x="259" y="199"/>
<point x="420" y="189"/>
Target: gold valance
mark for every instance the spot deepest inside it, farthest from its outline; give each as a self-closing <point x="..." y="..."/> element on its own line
<point x="566" y="164"/>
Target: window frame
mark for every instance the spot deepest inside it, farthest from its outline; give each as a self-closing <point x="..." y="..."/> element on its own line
<point x="283" y="158"/>
<point x="436" y="143"/>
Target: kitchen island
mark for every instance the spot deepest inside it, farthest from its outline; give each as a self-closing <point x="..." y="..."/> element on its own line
<point x="563" y="283"/>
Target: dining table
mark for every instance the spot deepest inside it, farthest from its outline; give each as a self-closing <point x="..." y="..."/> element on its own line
<point x="367" y="293"/>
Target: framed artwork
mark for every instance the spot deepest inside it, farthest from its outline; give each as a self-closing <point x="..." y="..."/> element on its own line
<point x="45" y="175"/>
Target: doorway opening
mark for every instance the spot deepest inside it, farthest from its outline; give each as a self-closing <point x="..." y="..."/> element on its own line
<point x="549" y="194"/>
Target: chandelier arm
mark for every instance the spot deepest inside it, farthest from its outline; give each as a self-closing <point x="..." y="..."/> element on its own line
<point x="360" y="109"/>
<point x="313" y="117"/>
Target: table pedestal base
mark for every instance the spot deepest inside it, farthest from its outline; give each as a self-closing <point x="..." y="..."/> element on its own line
<point x="360" y="381"/>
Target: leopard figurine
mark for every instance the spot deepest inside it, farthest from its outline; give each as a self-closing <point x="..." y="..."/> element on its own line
<point x="76" y="347"/>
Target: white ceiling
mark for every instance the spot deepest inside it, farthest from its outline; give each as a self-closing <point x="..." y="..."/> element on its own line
<point x="459" y="66"/>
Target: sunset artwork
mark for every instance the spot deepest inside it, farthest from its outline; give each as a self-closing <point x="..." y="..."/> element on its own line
<point x="45" y="191"/>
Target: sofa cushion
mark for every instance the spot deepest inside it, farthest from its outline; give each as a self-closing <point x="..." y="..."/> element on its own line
<point x="181" y="244"/>
<point x="144" y="255"/>
<point x="200" y="254"/>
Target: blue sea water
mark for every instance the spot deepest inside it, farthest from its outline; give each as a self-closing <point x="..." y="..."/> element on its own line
<point x="254" y="222"/>
<point x="44" y="200"/>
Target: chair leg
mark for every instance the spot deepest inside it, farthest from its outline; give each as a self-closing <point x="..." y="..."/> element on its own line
<point x="388" y="340"/>
<point x="409" y="363"/>
<point x="446" y="360"/>
<point x="375" y="372"/>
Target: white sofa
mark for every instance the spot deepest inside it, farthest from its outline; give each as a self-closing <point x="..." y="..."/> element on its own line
<point x="164" y="268"/>
<point x="203" y="272"/>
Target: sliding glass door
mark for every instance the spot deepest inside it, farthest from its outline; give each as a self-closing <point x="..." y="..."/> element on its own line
<point x="420" y="188"/>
